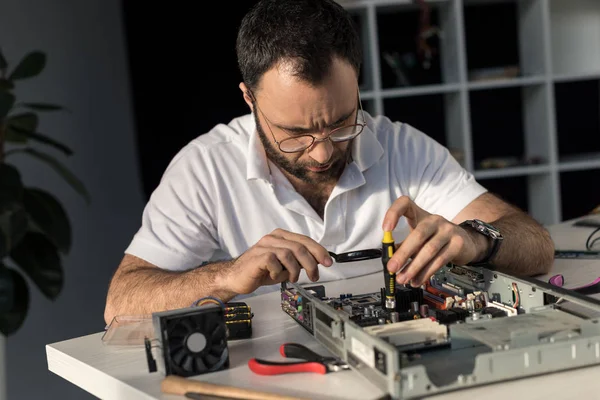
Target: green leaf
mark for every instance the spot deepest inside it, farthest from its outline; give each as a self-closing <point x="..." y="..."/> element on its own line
<point x="3" y="63"/>
<point x="13" y="224"/>
<point x="37" y="256"/>
<point x="42" y="139"/>
<point x="5" y="84"/>
<point x="7" y="290"/>
<point x="42" y="106"/>
<point x="50" y="217"/>
<point x="18" y="123"/>
<point x="11" y="187"/>
<point x="75" y="183"/>
<point x="7" y="100"/>
<point x="11" y="321"/>
<point x="31" y="65"/>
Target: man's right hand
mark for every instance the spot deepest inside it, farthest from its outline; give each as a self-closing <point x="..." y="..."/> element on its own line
<point x="277" y="257"/>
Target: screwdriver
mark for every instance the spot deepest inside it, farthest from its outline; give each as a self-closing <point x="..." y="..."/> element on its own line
<point x="387" y="251"/>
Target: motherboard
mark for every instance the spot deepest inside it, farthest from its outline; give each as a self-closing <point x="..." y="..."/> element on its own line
<point x="465" y="326"/>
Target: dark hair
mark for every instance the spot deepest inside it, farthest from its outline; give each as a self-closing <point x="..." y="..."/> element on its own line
<point x="308" y="32"/>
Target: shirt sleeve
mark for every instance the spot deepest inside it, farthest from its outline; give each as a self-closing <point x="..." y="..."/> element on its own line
<point x="436" y="181"/>
<point x="178" y="231"/>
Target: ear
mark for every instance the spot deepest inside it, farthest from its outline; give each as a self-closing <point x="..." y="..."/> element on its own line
<point x="247" y="95"/>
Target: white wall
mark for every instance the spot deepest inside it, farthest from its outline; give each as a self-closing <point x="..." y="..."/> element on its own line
<point x="86" y="72"/>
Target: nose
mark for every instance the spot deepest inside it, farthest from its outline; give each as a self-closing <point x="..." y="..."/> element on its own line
<point x="321" y="150"/>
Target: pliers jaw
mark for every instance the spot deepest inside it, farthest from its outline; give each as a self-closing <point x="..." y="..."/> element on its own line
<point x="336" y="366"/>
<point x="313" y="362"/>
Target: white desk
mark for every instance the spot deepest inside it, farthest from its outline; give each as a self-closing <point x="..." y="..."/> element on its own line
<point x="111" y="372"/>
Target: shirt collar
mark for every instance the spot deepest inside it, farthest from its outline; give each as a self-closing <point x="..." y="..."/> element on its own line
<point x="257" y="165"/>
<point x="366" y="151"/>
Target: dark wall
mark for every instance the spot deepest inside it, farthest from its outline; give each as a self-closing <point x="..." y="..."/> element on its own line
<point x="184" y="75"/>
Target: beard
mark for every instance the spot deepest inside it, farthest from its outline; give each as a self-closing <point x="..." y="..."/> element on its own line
<point x="299" y="169"/>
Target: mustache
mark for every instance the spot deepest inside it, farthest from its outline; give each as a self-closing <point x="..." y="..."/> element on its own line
<point x="336" y="157"/>
<point x="316" y="165"/>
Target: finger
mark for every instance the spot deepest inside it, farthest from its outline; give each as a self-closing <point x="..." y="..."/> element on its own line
<point x="288" y="260"/>
<point x="317" y="251"/>
<point x="301" y="257"/>
<point x="271" y="264"/>
<point x="441" y="259"/>
<point x="412" y="244"/>
<point x="426" y="253"/>
<point x="402" y="207"/>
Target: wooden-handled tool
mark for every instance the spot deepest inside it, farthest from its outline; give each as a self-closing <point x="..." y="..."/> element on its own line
<point x="173" y="384"/>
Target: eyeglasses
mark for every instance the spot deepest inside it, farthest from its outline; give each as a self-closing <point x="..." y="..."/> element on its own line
<point x="297" y="143"/>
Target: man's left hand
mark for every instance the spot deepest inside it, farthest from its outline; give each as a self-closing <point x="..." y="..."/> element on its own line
<point x="432" y="243"/>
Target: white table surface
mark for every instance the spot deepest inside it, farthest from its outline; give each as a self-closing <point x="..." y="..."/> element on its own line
<point x="121" y="372"/>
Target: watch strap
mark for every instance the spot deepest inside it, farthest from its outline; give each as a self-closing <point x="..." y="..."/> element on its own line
<point x="476" y="225"/>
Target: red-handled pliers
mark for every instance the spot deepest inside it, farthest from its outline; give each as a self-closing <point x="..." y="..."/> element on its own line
<point x="313" y="362"/>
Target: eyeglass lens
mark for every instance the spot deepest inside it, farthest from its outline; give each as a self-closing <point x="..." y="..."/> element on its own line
<point x="303" y="142"/>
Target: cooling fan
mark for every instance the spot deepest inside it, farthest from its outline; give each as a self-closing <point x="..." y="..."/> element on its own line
<point x="193" y="340"/>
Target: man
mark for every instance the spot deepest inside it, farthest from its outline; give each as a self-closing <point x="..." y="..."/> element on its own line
<point x="264" y="198"/>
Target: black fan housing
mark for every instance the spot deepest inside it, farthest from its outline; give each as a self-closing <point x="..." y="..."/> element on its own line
<point x="194" y="340"/>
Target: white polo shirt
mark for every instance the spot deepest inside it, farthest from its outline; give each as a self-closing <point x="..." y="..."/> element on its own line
<point x="220" y="194"/>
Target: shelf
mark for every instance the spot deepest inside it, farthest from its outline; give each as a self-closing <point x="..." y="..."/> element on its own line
<point x="542" y="118"/>
<point x="574" y="77"/>
<point x="504" y="83"/>
<point x="420" y="90"/>
<point x="511" y="171"/>
<point x="579" y="162"/>
<point x="367" y="95"/>
<point x="425" y="113"/>
<point x="577" y="108"/>
<point x="504" y="39"/>
<point x="574" y="36"/>
<point x="579" y="192"/>
<point x="365" y="78"/>
<point x="512" y="123"/>
<point x="486" y="49"/>
<point x="398" y="4"/>
<point x="496" y="124"/>
<point x="511" y="189"/>
<point x="402" y="57"/>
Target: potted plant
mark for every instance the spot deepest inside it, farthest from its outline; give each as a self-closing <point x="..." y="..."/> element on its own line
<point x="35" y="230"/>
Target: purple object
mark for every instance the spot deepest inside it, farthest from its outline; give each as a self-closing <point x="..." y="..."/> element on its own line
<point x="557" y="280"/>
<point x="590" y="288"/>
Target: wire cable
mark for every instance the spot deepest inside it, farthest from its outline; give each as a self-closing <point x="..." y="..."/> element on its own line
<point x="208" y="299"/>
<point x="589" y="243"/>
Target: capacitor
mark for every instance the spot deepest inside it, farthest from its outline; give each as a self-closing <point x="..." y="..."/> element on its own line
<point x="424" y="310"/>
<point x="414" y="306"/>
<point x="470" y="305"/>
<point x="367" y="311"/>
<point x="394" y="316"/>
<point x="381" y="321"/>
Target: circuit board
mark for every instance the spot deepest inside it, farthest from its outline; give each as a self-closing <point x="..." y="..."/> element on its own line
<point x="452" y="295"/>
<point x="465" y="326"/>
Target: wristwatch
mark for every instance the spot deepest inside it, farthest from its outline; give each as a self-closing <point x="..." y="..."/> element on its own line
<point x="490" y="232"/>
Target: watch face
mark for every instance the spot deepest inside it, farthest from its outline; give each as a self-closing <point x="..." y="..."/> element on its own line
<point x="486" y="229"/>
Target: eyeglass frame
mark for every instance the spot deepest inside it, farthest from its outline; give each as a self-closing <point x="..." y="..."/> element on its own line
<point x="314" y="139"/>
